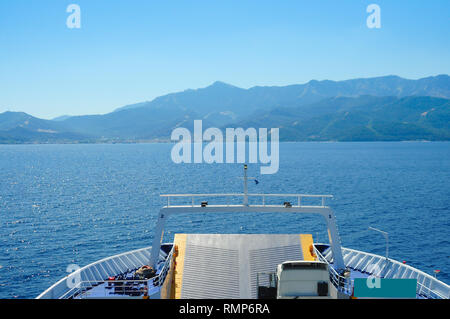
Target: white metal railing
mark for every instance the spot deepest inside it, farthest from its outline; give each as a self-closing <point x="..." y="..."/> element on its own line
<point x="427" y="285"/>
<point x="342" y="283"/>
<point x="263" y="197"/>
<point x="423" y="290"/>
<point x="435" y="289"/>
<point x="124" y="287"/>
<point x="130" y="287"/>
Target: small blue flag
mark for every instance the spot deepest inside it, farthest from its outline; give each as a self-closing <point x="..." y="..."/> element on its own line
<point x="256" y="182"/>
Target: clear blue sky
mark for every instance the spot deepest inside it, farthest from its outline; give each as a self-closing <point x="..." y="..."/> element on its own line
<point x="131" y="51"/>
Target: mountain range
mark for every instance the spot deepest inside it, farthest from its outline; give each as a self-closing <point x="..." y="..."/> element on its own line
<point x="388" y="108"/>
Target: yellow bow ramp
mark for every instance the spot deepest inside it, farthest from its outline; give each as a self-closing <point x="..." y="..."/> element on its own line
<point x="226" y="265"/>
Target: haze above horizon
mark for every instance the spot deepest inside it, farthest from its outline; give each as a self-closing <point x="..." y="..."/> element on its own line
<point x="134" y="51"/>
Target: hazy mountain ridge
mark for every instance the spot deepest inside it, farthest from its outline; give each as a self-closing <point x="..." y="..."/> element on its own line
<point x="364" y="118"/>
<point x="19" y="127"/>
<point x="382" y="108"/>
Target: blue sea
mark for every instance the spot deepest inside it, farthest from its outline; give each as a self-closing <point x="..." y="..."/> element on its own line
<point x="75" y="204"/>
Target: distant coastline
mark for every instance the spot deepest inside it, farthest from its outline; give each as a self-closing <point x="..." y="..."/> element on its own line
<point x="172" y="142"/>
<point x="388" y="108"/>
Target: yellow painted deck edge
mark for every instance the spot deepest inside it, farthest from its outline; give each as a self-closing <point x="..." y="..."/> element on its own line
<point x="180" y="242"/>
<point x="306" y="240"/>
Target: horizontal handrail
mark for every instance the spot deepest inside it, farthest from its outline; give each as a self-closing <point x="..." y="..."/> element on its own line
<point x="242" y="194"/>
<point x="299" y="198"/>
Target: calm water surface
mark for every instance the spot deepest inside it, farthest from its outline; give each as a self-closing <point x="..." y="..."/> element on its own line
<point x="65" y="204"/>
